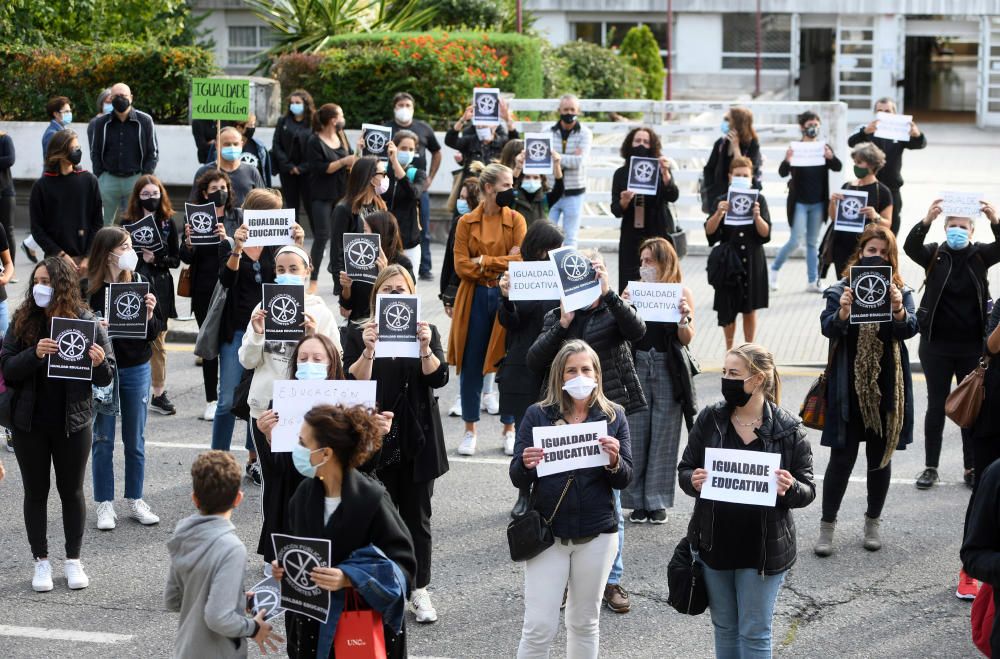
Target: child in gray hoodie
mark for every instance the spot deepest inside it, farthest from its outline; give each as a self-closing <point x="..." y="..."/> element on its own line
<point x="207" y="564"/>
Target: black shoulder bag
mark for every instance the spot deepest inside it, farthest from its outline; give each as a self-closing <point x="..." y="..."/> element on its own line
<point x="530" y="535"/>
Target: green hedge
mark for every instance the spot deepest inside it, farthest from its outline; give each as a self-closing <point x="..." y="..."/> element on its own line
<point x="160" y="78"/>
<point x="362" y="72"/>
<point x="590" y="71"/>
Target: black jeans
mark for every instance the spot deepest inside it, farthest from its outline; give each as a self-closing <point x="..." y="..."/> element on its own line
<point x="320" y="218"/>
<point x="296" y="193"/>
<point x="209" y="367"/>
<point x="37" y="452"/>
<point x="897" y="206"/>
<point x="841" y="464"/>
<point x="7" y="221"/>
<point x="941" y="362"/>
<point x="413" y="500"/>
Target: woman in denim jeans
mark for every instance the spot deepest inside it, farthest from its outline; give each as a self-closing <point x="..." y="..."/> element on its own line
<point x="112" y="260"/>
<point x="746" y="550"/>
<point x="808" y="195"/>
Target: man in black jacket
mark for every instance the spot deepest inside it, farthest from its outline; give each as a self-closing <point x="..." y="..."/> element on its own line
<point x="123" y="147"/>
<point x="890" y="175"/>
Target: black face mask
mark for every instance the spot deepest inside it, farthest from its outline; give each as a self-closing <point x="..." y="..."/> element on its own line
<point x="340" y="124"/>
<point x="120" y="103"/>
<point x="733" y="392"/>
<point x="219" y="198"/>
<point x="75" y="156"/>
<point x="642" y="151"/>
<point x="505" y="198"/>
<point x="152" y="204"/>
<point x="248" y="131"/>
<point x="869" y="261"/>
<point x="811" y="131"/>
<point x="567" y="118"/>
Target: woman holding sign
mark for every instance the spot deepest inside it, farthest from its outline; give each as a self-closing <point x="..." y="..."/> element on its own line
<point x="745" y="549"/>
<point x="643" y="215"/>
<point x="355" y="295"/>
<point x="850" y="219"/>
<point x="113" y="261"/>
<point x="486" y="239"/>
<point x="413" y="454"/>
<point x="365" y="185"/>
<point x="744" y="241"/>
<point x="575" y="496"/>
<point x="739" y="140"/>
<point x="52" y="417"/>
<point x="869" y="391"/>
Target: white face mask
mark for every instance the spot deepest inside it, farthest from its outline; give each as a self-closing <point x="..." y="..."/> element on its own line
<point x="404" y="115"/>
<point x="647" y="273"/>
<point x="383" y="185"/>
<point x="580" y="387"/>
<point x="741" y="182"/>
<point x="485" y="134"/>
<point x="42" y="294"/>
<point x="128" y="260"/>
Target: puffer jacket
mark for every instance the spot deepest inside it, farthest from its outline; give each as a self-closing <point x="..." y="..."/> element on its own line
<point x="781" y="432"/>
<point x="610" y="330"/>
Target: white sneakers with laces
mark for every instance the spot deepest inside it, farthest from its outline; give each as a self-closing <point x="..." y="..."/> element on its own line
<point x="140" y="512"/>
<point x="106" y="515"/>
<point x="76" y="578"/>
<point x="209" y="414"/>
<point x="772" y="279"/>
<point x="456" y="409"/>
<point x="421" y="606"/>
<point x="815" y="287"/>
<point x="491" y="403"/>
<point x="468" y="445"/>
<point x="42" y="581"/>
<point x="508" y="442"/>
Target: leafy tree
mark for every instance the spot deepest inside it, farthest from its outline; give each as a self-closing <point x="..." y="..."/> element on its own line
<point x="36" y="22"/>
<point x="640" y="49"/>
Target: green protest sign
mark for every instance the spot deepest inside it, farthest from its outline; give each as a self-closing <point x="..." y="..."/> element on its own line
<point x="220" y="99"/>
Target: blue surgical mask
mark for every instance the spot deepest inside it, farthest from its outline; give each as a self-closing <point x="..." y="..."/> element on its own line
<point x="107" y="108"/>
<point x="404" y="157"/>
<point x="724" y="127"/>
<point x="231" y="153"/>
<point x="67" y="118"/>
<point x="297" y="108"/>
<point x="741" y="182"/>
<point x="462" y="206"/>
<point x="531" y="186"/>
<point x="301" y="459"/>
<point x="287" y="279"/>
<point x="311" y="371"/>
<point x="958" y="238"/>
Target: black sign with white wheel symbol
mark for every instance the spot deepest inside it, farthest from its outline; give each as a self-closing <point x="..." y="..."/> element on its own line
<point x="73" y="340"/>
<point x="642" y="178"/>
<point x="128" y="305"/>
<point x="375" y="139"/>
<point x="361" y="256"/>
<point x="375" y="142"/>
<point x="145" y="234"/>
<point x="72" y="345"/>
<point x="201" y="220"/>
<point x="397" y="325"/>
<point x="849" y="217"/>
<point x="285" y="307"/>
<point x="740" y="207"/>
<point x="299" y="557"/>
<point x="578" y="283"/>
<point x="538" y="151"/>
<point x="575" y="266"/>
<point x="125" y="310"/>
<point x="850" y="207"/>
<point x="872" y="287"/>
<point x="485" y="106"/>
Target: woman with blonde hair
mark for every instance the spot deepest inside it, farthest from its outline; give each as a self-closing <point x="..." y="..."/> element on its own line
<point x="665" y="376"/>
<point x="869" y="390"/>
<point x="578" y="504"/>
<point x="746" y="550"/>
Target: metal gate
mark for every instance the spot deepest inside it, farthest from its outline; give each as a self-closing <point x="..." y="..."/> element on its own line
<point x="988" y="90"/>
<point x="854" y="73"/>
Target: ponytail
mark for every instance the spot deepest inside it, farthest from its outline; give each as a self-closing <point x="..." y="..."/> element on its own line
<point x="760" y="360"/>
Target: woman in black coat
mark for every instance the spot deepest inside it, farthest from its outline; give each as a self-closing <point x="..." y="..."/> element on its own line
<point x="519" y="385"/>
<point x="747" y="241"/>
<point x="739" y="139"/>
<point x="413" y="454"/>
<point x="289" y="149"/>
<point x="355" y="295"/>
<point x="655" y="219"/>
<point x="745" y="550"/>
<point x="352" y="510"/>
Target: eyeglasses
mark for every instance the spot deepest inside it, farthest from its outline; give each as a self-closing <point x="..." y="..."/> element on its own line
<point x="149" y="195"/>
<point x="256" y="272"/>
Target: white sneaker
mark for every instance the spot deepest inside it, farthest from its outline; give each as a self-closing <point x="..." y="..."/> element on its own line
<point x="76" y="578"/>
<point x="106" y="515"/>
<point x="42" y="581"/>
<point x="140" y="512"/>
<point x="491" y="403"/>
<point x="508" y="442"/>
<point x="456" y="409"/>
<point x="468" y="445"/>
<point x="7" y="439"/>
<point x="815" y="287"/>
<point x="423" y="609"/>
<point x="772" y="279"/>
<point x="209" y="414"/>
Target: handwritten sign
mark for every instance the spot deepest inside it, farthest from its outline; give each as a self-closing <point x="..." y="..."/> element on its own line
<point x="293" y="398"/>
<point x="655" y="302"/>
<point x="808" y="154"/>
<point x="571" y="446"/>
<point x="872" y="286"/>
<point x="741" y="476"/>
<point x="222" y="99"/>
<point x="577" y="279"/>
<point x="849" y="217"/>
<point x="643" y="175"/>
<point x="299" y="557"/>
<point x="533" y="280"/>
<point x="269" y="227"/>
<point x="894" y="127"/>
<point x="741" y="203"/>
<point x="961" y="204"/>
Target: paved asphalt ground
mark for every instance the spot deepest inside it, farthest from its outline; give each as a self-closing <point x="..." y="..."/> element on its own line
<point x="898" y="602"/>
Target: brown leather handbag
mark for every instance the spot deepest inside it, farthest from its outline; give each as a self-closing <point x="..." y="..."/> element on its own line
<point x="184" y="283"/>
<point x="813" y="410"/>
<point x="964" y="402"/>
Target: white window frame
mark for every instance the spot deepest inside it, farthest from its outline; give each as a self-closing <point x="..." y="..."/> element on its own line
<point x="257" y="51"/>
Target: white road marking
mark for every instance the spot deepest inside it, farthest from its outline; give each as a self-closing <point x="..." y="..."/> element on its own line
<point x="64" y="635"/>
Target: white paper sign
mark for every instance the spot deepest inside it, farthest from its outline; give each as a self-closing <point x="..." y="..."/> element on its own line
<point x="537" y="153"/>
<point x="397" y="317"/>
<point x="375" y="140"/>
<point x="485" y="106"/>
<point x="849" y="217"/>
<point x="655" y="302"/>
<point x="643" y="175"/>
<point x="269" y="227"/>
<point x="571" y="446"/>
<point x="577" y="279"/>
<point x="961" y="204"/>
<point x="293" y="398"/>
<point x="808" y="154"/>
<point x="741" y="476"/>
<point x="741" y="203"/>
<point x="893" y="126"/>
<point x="533" y="280"/>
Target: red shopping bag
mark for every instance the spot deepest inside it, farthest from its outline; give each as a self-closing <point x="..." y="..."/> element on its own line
<point x="982" y="618"/>
<point x="359" y="630"/>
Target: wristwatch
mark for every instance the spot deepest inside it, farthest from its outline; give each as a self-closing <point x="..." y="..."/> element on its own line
<point x="685" y="321"/>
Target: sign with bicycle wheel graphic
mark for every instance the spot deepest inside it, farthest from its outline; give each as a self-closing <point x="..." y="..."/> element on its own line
<point x="125" y="310"/>
<point x="397" y="325"/>
<point x="298" y="557"/>
<point x="73" y="338"/>
<point x="361" y="256"/>
<point x="577" y="281"/>
<point x="872" y="287"/>
<point x="202" y="220"/>
<point x="741" y="203"/>
<point x="145" y="234"/>
<point x="643" y="175"/>
<point x="849" y="217"/>
<point x="485" y="106"/>
<point x="537" y="153"/>
<point x="285" y="307"/>
<point x="266" y="596"/>
<point x="375" y="140"/>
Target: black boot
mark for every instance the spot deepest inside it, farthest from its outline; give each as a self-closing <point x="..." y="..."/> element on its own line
<point x="523" y="503"/>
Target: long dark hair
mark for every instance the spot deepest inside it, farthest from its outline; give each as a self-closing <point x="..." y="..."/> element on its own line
<point x="136" y="212"/>
<point x="336" y="369"/>
<point x="307" y="101"/>
<point x="654" y="142"/>
<point x="359" y="183"/>
<point x="541" y="238"/>
<point x="58" y="150"/>
<point x="872" y="231"/>
<point x="207" y="178"/>
<point x="325" y="115"/>
<point x="31" y="321"/>
<point x="105" y="240"/>
<point x="385" y="225"/>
